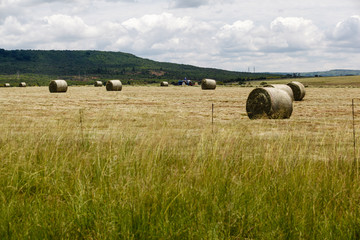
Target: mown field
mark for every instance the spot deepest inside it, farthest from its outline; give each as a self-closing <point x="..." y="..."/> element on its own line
<point x="335" y="82"/>
<point x="147" y="163"/>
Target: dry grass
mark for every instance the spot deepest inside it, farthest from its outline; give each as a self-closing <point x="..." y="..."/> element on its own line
<point x="337" y="82"/>
<point x="145" y="163"/>
<point x="180" y="107"/>
<point x="322" y="114"/>
<point x="137" y="108"/>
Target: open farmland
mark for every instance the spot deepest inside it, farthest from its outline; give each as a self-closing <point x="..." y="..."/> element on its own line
<point x="337" y="82"/>
<point x="147" y="163"/>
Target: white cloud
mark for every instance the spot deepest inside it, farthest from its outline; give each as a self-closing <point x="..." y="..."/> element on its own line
<point x="11" y="31"/>
<point x="4" y="3"/>
<point x="164" y="22"/>
<point x="188" y="3"/>
<point x="347" y="32"/>
<point x="295" y="34"/>
<point x="63" y="26"/>
<point x="196" y="3"/>
<point x="56" y="31"/>
<point x="12" y="26"/>
<point x="237" y="37"/>
<point x="164" y="32"/>
<point x="283" y="35"/>
<point x="210" y="33"/>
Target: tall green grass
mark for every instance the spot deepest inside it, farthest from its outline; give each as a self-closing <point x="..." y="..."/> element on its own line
<point x="246" y="180"/>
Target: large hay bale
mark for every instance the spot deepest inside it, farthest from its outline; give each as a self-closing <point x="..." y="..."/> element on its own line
<point x="7" y="85"/>
<point x="298" y="90"/>
<point x="58" y="86"/>
<point x="164" y="84"/>
<point x="22" y="84"/>
<point x="283" y="87"/>
<point x="98" y="84"/>
<point x="270" y="103"/>
<point x="208" y="84"/>
<point x="113" y="85"/>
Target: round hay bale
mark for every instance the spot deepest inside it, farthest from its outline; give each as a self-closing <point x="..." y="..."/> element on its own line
<point x="57" y="86"/>
<point x="283" y="87"/>
<point x="270" y="103"/>
<point x="113" y="85"/>
<point x="298" y="90"/>
<point x="7" y="85"/>
<point x="22" y="84"/>
<point x="208" y="84"/>
<point x="98" y="84"/>
<point x="164" y="84"/>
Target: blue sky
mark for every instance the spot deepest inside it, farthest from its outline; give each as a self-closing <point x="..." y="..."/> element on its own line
<point x="268" y="35"/>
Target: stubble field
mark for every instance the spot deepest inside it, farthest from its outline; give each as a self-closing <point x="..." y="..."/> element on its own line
<point x="148" y="163"/>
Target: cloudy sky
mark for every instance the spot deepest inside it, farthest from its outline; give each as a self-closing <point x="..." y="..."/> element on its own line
<point x="265" y="35"/>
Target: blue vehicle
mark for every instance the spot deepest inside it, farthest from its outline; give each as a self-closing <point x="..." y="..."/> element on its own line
<point x="185" y="82"/>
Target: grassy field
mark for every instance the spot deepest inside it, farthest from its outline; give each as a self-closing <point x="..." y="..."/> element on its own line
<point x="337" y="82"/>
<point x="147" y="163"/>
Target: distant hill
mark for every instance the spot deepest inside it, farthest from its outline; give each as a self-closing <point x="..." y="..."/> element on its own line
<point x="332" y="73"/>
<point x="82" y="66"/>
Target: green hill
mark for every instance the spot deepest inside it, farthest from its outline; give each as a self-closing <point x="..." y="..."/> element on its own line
<point x="332" y="73"/>
<point x="83" y="67"/>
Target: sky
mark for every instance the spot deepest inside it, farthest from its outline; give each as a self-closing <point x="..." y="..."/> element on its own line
<point x="238" y="35"/>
